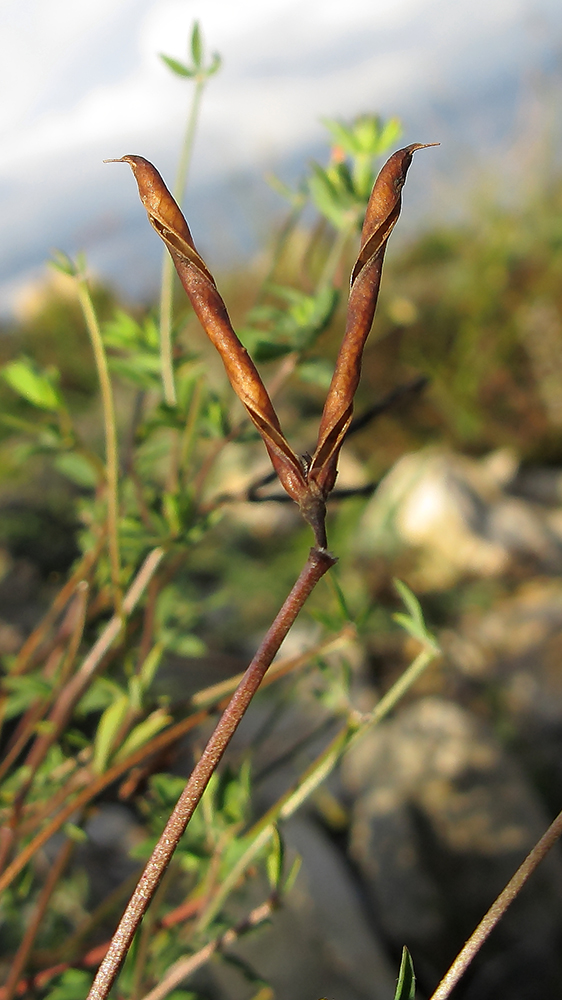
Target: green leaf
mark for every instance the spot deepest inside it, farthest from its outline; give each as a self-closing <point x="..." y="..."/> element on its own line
<point x="413" y="622"/>
<point x="63" y="263"/>
<point x="215" y="65"/>
<point x="293" y="873"/>
<point x="77" y="468"/>
<point x="74" y="984"/>
<point x="150" y="666"/>
<point x="167" y="788"/>
<point x="411" y="602"/>
<point x="415" y="630"/>
<point x="343" y="135"/>
<point x="391" y="132"/>
<point x="75" y="833"/>
<point x="234" y="795"/>
<point x="293" y="327"/>
<point x="406" y="985"/>
<point x="101" y="693"/>
<point x="34" y="386"/>
<point x="197" y="46"/>
<point x="144" y="732"/>
<point x="108" y="728"/>
<point x="25" y="690"/>
<point x="170" y="507"/>
<point x="275" y="861"/>
<point x="177" y="67"/>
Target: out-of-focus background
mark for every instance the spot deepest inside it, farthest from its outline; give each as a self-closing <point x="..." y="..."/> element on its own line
<point x="455" y="488"/>
<point x="84" y="82"/>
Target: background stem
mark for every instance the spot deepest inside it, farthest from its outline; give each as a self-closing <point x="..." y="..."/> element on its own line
<point x="111" y="454"/>
<point x="497" y="910"/>
<point x="167" y="284"/>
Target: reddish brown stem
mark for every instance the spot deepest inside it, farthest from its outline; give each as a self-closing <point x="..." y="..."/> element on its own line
<point x="32" y="928"/>
<point x="318" y="563"/>
<point x="27" y="651"/>
<point x="497" y="910"/>
<point x="210" y="697"/>
<point x="74" y="689"/>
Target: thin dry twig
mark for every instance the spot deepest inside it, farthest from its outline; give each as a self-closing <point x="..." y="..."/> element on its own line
<point x="22" y="954"/>
<point x="25" y="656"/>
<point x="497" y="910"/>
<point x="185" y="967"/>
<point x="74" y="689"/>
<point x="74" y="621"/>
<point x="94" y="785"/>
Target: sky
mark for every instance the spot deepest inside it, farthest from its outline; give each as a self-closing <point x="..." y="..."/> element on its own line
<point x="83" y="81"/>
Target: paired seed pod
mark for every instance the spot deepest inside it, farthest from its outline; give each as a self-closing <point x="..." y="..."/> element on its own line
<point x="308" y="482"/>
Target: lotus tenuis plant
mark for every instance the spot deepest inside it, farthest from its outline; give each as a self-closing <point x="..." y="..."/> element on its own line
<point x="308" y="480"/>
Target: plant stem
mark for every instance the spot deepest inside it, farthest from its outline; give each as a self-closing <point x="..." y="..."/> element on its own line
<point x="31" y="644"/>
<point x="167" y="284"/>
<point x="210" y="697"/>
<point x="262" y="831"/>
<point x="497" y="910"/>
<point x="334" y="256"/>
<point x="111" y="454"/>
<point x="184" y="967"/>
<point x="35" y="714"/>
<point x="318" y="563"/>
<point x="74" y="689"/>
<point x="34" y="922"/>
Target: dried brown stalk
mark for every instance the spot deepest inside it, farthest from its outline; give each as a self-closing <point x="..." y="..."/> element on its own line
<point x="497" y="910"/>
<point x="34" y="922"/>
<point x="184" y="967"/>
<point x="318" y="563"/>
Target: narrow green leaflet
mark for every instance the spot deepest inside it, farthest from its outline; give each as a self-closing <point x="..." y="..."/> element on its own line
<point x="197" y="46"/>
<point x="413" y="622"/>
<point x="176" y="66"/>
<point x="108" y="728"/>
<point x="144" y="732"/>
<point x="24" y="691"/>
<point x="275" y="861"/>
<point x="77" y="468"/>
<point x="37" y="387"/>
<point x="406" y="985"/>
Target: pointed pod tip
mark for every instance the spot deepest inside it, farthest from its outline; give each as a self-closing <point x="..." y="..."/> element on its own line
<point x="422" y="145"/>
<point x="121" y="159"/>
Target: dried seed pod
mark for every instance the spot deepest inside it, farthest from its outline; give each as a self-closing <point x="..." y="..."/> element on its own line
<point x="382" y="213"/>
<point x="167" y="219"/>
<point x="308" y="482"/>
